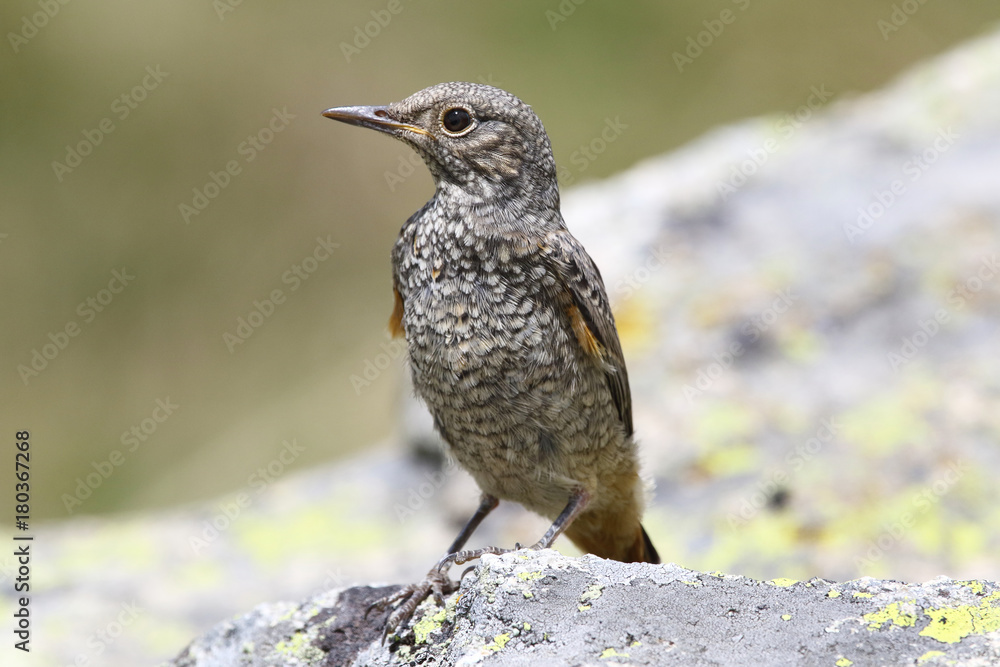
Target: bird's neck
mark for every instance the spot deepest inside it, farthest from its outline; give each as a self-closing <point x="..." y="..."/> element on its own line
<point x="499" y="201"/>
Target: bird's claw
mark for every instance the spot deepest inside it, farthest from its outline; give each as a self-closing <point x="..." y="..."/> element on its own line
<point x="405" y="601"/>
<point x="436" y="584"/>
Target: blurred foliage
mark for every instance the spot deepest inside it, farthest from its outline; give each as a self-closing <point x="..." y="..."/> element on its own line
<point x="224" y="69"/>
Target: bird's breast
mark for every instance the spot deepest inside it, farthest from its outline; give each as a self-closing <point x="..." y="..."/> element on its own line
<point x="459" y="320"/>
<point x="476" y="316"/>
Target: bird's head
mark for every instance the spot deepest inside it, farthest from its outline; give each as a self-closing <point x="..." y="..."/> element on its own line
<point x="477" y="138"/>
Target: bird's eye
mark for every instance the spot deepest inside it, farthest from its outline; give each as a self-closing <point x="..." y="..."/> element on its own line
<point x="456" y="120"/>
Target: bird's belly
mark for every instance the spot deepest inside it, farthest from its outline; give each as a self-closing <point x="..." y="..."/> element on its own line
<point x="520" y="407"/>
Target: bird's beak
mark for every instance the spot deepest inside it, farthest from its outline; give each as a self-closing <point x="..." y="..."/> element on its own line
<point x="375" y="118"/>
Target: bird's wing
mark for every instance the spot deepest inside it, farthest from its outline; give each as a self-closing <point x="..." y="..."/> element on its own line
<point x="590" y="314"/>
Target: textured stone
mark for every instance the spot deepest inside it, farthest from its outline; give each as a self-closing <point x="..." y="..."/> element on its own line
<point x="541" y="608"/>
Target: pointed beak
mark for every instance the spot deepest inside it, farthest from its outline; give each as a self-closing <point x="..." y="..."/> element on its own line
<point x="375" y="118"/>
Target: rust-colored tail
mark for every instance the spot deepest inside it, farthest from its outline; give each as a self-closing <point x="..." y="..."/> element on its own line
<point x="649" y="551"/>
<point x="613" y="537"/>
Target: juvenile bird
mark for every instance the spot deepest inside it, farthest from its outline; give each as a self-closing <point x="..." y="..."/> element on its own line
<point x="511" y="339"/>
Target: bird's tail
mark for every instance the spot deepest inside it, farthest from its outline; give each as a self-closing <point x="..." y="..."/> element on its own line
<point x="612" y="536"/>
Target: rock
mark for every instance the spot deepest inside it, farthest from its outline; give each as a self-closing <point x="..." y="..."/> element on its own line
<point x="331" y="628"/>
<point x="542" y="608"/>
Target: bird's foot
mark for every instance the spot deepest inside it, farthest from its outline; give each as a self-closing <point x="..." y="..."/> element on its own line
<point x="436" y="584"/>
<point x="405" y="601"/>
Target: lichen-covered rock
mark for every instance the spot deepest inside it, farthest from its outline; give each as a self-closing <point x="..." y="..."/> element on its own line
<point x="331" y="628"/>
<point x="541" y="608"/>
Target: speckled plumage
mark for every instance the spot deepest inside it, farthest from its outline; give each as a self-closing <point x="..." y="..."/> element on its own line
<point x="511" y="338"/>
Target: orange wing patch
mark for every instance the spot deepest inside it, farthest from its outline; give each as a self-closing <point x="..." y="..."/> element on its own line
<point x="584" y="336"/>
<point x="396" y="319"/>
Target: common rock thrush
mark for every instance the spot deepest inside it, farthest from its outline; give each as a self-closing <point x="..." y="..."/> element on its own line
<point x="511" y="339"/>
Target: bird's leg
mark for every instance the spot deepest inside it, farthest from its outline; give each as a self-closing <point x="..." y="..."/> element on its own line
<point x="578" y="501"/>
<point x="433" y="584"/>
<point x="486" y="505"/>
<point x="436" y="582"/>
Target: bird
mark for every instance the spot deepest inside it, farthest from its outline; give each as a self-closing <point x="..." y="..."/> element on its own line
<point x="510" y="336"/>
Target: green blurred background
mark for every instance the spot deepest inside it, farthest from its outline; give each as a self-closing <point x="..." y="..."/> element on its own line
<point x="225" y="68"/>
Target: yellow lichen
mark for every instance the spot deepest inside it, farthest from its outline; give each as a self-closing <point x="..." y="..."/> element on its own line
<point x="952" y="625"/>
<point x="423" y="628"/>
<point x="299" y="646"/>
<point x="498" y="642"/>
<point x="893" y="614"/>
<point x="784" y="582"/>
<point x="974" y="586"/>
<point x="287" y="615"/>
<point x="592" y="593"/>
<point x="927" y="656"/>
<point x="844" y="662"/>
<point x="612" y="653"/>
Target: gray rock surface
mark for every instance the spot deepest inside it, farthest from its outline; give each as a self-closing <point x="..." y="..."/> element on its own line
<point x="541" y="608"/>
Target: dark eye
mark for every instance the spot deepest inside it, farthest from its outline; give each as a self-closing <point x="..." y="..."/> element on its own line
<point x="456" y="120"/>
